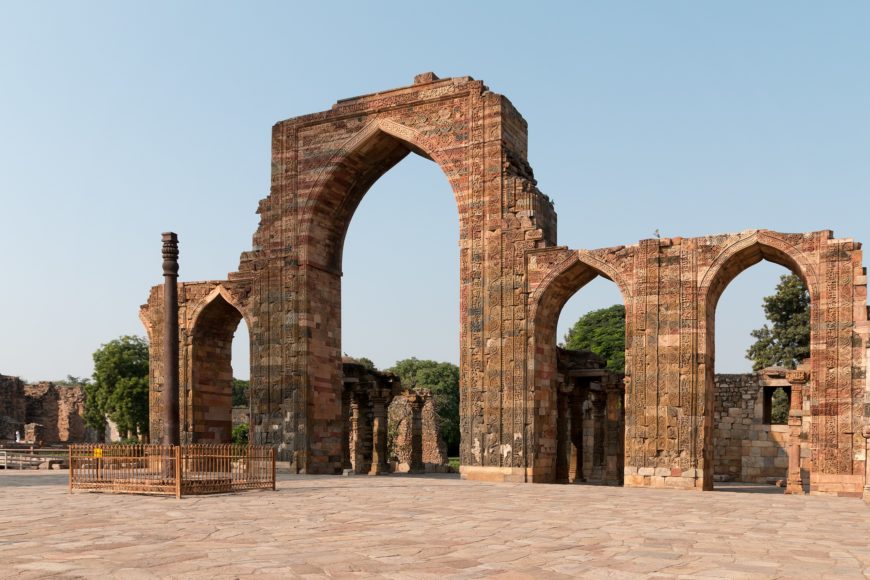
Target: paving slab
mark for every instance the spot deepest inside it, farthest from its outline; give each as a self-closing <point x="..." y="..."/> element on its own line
<point x="438" y="526"/>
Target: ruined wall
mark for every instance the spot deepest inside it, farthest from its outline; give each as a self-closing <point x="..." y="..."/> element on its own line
<point x="59" y="409"/>
<point x="671" y="287"/>
<point x="744" y="447"/>
<point x="12" y="406"/>
<point x="434" y="447"/>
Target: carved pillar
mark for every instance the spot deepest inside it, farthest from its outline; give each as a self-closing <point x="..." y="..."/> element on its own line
<point x="347" y="427"/>
<point x="794" y="482"/>
<point x="379" y="433"/>
<point x="171" y="430"/>
<point x="598" y="434"/>
<point x="578" y="396"/>
<point x="613" y="436"/>
<point x="415" y="401"/>
<point x="358" y="433"/>
<point x="563" y="431"/>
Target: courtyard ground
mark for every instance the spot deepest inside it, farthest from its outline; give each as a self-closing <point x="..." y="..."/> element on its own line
<point x="428" y="527"/>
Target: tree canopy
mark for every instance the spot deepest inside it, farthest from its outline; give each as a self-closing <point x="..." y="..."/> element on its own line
<point x="603" y="332"/>
<point x="119" y="390"/>
<point x="442" y="379"/>
<point x="786" y="342"/>
<point x="240" y="392"/>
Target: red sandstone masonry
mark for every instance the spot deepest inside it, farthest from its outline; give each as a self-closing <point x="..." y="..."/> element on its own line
<point x="513" y="282"/>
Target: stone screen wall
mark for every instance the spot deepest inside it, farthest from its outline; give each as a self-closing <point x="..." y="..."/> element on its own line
<point x="744" y="447"/>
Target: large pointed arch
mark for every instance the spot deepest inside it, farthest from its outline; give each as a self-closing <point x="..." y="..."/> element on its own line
<point x="346" y="178"/>
<point x="737" y="257"/>
<point x="207" y="405"/>
<point x="566" y="278"/>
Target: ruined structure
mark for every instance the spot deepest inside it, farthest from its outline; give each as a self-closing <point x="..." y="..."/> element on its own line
<point x="590" y="423"/>
<point x="43" y="413"/>
<point x="372" y="403"/>
<point x="513" y="282"/>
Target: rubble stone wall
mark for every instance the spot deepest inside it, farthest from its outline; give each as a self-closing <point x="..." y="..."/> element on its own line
<point x="59" y="409"/>
<point x="745" y="448"/>
<point x="12" y="406"/>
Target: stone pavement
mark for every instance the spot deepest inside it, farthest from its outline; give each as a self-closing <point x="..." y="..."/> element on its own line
<point x="428" y="527"/>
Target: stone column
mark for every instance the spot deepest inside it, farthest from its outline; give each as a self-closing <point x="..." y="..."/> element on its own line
<point x="347" y="427"/>
<point x="794" y="482"/>
<point x="171" y="429"/>
<point x="598" y="430"/>
<point x="415" y="401"/>
<point x="613" y="436"/>
<point x="576" y="407"/>
<point x="356" y="433"/>
<point x="379" y="433"/>
<point x="563" y="440"/>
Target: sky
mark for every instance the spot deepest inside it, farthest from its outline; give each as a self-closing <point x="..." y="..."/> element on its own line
<point x="119" y="121"/>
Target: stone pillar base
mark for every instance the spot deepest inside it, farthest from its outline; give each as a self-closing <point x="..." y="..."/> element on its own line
<point x="663" y="477"/>
<point x="496" y="474"/>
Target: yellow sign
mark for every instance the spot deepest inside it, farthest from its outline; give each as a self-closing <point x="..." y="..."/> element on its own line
<point x="98" y="452"/>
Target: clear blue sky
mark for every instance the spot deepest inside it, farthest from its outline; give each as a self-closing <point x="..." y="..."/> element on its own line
<point x="120" y="120"/>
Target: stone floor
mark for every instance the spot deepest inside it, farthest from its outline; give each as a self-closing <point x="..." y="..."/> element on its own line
<point x="428" y="527"/>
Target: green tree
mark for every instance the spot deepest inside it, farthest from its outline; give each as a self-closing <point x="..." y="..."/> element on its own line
<point x="240" y="434"/>
<point x="240" y="392"/>
<point x="367" y="363"/>
<point x="603" y="332"/>
<point x="786" y="342"/>
<point x="779" y="407"/>
<point x="119" y="390"/>
<point x="442" y="379"/>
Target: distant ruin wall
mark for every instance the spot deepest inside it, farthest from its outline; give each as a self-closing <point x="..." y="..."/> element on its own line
<point x="12" y="406"/>
<point x="59" y="409"/>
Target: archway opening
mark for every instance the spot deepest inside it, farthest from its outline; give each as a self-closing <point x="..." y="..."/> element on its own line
<point x="579" y="379"/>
<point x="754" y="428"/>
<point x="399" y="316"/>
<point x="210" y="401"/>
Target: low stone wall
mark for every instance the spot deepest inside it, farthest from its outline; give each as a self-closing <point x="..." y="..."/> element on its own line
<point x="744" y="447"/>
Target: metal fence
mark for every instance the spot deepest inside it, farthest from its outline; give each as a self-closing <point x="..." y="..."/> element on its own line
<point x="170" y="469"/>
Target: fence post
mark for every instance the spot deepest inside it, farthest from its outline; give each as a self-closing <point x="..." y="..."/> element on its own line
<point x="71" y="468"/>
<point x="177" y="452"/>
<point x="273" y="467"/>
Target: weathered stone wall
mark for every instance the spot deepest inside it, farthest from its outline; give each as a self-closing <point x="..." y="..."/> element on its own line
<point x="59" y="409"/>
<point x="400" y="425"/>
<point x="12" y="406"/>
<point x="744" y="447"/>
<point x="671" y="287"/>
<point x="434" y="447"/>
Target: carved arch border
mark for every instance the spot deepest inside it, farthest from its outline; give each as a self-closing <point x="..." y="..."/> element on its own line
<point x="761" y="239"/>
<point x="227" y="295"/>
<point x="571" y="260"/>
